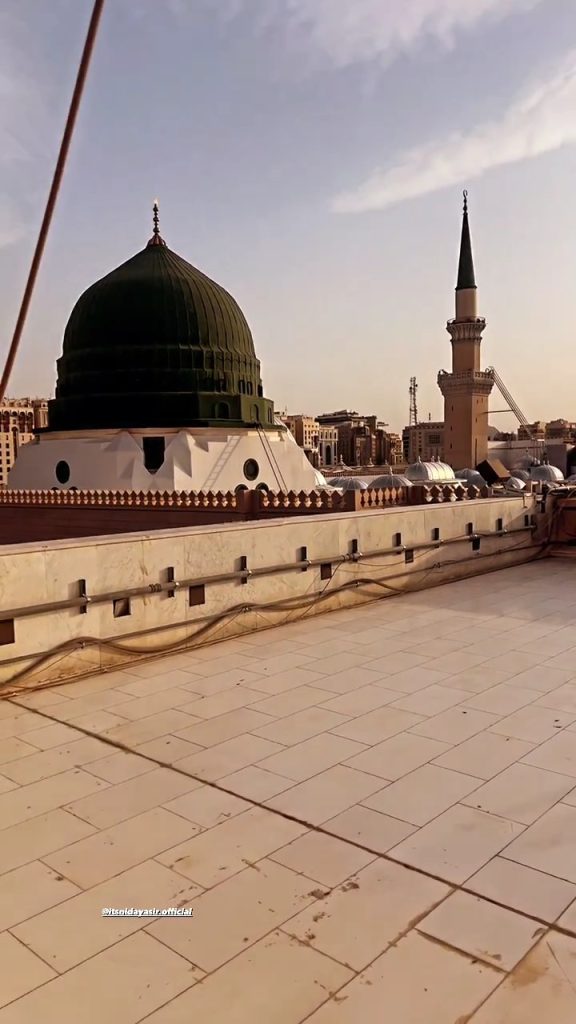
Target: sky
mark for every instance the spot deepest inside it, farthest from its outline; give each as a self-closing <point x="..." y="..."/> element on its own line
<point x="309" y="155"/>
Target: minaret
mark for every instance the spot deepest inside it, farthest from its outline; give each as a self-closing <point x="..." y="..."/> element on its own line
<point x="466" y="390"/>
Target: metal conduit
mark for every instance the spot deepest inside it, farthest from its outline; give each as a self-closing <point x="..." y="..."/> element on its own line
<point x="242" y="574"/>
<point x="207" y="622"/>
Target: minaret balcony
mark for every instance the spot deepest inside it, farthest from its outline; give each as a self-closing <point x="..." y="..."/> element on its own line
<point x="466" y="382"/>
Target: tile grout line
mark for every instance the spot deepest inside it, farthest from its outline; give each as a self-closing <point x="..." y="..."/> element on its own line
<point x="413" y="926"/>
<point x="457" y="887"/>
<point x="375" y="854"/>
<point x="8" y="931"/>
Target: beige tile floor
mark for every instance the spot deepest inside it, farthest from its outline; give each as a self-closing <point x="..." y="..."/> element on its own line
<point x="372" y="814"/>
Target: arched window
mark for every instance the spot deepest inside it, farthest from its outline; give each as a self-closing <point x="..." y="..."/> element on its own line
<point x="154" y="452"/>
<point x="270" y="417"/>
<point x="256" y="413"/>
<point x="249" y="388"/>
<point x="328" y="455"/>
<point x="222" y="411"/>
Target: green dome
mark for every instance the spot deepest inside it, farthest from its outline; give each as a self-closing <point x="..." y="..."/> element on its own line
<point x="156" y="343"/>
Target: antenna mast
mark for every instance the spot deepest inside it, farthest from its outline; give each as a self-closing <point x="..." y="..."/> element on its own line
<point x="413" y="418"/>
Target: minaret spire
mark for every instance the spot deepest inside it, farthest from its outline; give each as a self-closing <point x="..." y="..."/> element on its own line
<point x="466" y="277"/>
<point x="466" y="291"/>
<point x="467" y="388"/>
<point x="156" y="236"/>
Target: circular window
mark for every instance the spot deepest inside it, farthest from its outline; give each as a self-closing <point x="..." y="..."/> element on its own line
<point x="251" y="469"/>
<point x="62" y="472"/>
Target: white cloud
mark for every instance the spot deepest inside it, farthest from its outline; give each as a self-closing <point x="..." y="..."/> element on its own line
<point x="22" y="125"/>
<point x="345" y="32"/>
<point x="29" y="122"/>
<point x="538" y="122"/>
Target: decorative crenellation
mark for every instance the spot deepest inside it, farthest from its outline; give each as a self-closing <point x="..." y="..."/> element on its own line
<point x="438" y="494"/>
<point x="129" y="499"/>
<point x="246" y="501"/>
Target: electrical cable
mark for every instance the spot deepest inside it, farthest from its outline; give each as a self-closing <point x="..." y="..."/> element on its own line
<point x="224" y="618"/>
<point x="558" y="507"/>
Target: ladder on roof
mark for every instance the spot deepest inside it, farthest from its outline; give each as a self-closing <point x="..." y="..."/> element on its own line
<point x="227" y="450"/>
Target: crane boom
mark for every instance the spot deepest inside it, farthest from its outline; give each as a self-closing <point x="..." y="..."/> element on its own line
<point x="512" y="404"/>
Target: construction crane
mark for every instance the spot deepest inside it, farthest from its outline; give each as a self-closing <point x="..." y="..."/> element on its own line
<point x="413" y="417"/>
<point x="514" y="407"/>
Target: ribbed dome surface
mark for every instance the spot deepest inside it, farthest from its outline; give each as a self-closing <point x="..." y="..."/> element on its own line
<point x="390" y="480"/>
<point x="348" y="483"/>
<point x="421" y="472"/>
<point x="471" y="476"/>
<point x="157" y="343"/>
<point x="546" y="473"/>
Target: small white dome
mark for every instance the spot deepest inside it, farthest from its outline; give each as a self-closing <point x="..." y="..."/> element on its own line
<point x="430" y="472"/>
<point x="390" y="480"/>
<point x="471" y="476"/>
<point x="348" y="483"/>
<point x="515" y="484"/>
<point x="546" y="473"/>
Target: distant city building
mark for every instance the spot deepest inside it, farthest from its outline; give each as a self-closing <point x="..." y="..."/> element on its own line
<point x="328" y="445"/>
<point x="560" y="430"/>
<point x="540" y="441"/>
<point x="396" y="450"/>
<point x="534" y="431"/>
<point x="467" y="388"/>
<point x="19" y="418"/>
<point x="363" y="440"/>
<point x="423" y="441"/>
<point x="305" y="431"/>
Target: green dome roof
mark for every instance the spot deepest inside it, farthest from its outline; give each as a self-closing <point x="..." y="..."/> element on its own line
<point x="156" y="343"/>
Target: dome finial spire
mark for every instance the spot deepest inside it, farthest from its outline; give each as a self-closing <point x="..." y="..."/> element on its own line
<point x="465" y="194"/>
<point x="156" y="236"/>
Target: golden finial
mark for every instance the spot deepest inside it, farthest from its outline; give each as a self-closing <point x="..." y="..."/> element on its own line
<point x="156" y="236"/>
